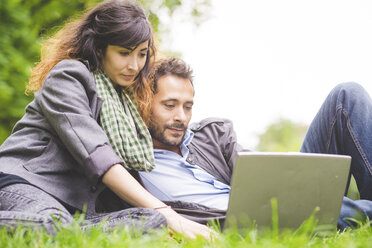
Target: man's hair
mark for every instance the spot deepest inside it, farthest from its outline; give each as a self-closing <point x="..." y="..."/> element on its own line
<point x="170" y="66"/>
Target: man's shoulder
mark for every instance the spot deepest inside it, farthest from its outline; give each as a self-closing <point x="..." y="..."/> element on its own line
<point x="211" y="122"/>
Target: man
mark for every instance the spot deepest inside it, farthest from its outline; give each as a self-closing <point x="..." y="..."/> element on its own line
<point x="200" y="167"/>
<point x="195" y="164"/>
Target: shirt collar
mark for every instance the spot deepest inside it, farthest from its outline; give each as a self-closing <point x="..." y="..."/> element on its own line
<point x="186" y="141"/>
<point x="187" y="137"/>
<point x="183" y="146"/>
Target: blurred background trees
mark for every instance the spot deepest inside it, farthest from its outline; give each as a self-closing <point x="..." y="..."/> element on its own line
<point x="282" y="136"/>
<point x="25" y="23"/>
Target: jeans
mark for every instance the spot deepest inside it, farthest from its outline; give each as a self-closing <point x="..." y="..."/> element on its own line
<point x="343" y="125"/>
<point x="30" y="206"/>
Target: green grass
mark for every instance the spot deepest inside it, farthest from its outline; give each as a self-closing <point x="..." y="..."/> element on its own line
<point x="308" y="235"/>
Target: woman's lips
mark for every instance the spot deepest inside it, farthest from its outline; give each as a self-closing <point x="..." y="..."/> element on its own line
<point x="128" y="77"/>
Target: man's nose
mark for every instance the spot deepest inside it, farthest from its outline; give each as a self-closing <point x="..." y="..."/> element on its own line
<point x="180" y="115"/>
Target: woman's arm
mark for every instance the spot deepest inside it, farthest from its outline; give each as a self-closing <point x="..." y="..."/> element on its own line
<point x="122" y="183"/>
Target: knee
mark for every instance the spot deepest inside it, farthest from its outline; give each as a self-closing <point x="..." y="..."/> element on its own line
<point x="351" y="88"/>
<point x="349" y="93"/>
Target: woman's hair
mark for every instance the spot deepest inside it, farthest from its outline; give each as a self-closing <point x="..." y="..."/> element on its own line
<point x="170" y="66"/>
<point x="113" y="22"/>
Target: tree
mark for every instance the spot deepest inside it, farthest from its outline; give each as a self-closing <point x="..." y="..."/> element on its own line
<point x="25" y="24"/>
<point x="281" y="136"/>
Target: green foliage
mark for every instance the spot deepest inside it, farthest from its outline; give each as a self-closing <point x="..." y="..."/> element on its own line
<point x="282" y="136"/>
<point x="196" y="9"/>
<point x="24" y="24"/>
<point x="18" y="47"/>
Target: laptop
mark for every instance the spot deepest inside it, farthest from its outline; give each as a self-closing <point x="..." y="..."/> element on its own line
<point x="298" y="182"/>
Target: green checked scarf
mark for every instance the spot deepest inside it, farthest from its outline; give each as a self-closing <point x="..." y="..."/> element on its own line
<point x="127" y="133"/>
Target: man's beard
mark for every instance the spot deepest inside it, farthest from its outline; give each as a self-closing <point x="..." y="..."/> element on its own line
<point x="158" y="133"/>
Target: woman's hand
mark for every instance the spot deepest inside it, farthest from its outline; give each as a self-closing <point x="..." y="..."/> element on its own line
<point x="189" y="228"/>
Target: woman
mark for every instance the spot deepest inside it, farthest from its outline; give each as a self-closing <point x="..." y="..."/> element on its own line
<point x="83" y="127"/>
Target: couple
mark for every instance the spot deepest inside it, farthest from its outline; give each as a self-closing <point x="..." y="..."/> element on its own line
<point x="84" y="137"/>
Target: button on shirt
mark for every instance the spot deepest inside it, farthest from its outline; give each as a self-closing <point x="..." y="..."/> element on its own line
<point x="174" y="178"/>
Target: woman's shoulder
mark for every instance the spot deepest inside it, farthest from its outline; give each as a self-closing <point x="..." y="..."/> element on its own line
<point x="67" y="76"/>
<point x="81" y="66"/>
<point x="70" y="70"/>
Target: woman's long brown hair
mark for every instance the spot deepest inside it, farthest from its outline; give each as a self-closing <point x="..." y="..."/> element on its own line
<point x="113" y="22"/>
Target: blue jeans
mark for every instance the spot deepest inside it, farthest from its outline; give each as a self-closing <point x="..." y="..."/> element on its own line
<point x="343" y="125"/>
<point x="30" y="206"/>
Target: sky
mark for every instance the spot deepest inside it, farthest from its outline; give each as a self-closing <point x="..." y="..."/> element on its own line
<point x="256" y="61"/>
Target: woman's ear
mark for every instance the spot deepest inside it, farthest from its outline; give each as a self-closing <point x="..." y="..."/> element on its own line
<point x="99" y="53"/>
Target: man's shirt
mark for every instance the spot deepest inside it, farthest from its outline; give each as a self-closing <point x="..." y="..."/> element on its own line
<point x="173" y="178"/>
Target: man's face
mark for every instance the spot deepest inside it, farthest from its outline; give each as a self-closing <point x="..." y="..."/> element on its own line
<point x="171" y="112"/>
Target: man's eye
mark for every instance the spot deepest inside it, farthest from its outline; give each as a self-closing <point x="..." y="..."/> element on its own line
<point x="169" y="105"/>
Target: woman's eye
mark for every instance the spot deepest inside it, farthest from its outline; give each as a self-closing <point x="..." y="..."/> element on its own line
<point x="124" y="53"/>
<point x="143" y="55"/>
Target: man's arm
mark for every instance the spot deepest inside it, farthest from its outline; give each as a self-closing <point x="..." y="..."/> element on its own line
<point x="215" y="147"/>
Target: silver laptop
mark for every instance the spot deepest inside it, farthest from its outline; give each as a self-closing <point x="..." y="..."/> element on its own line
<point x="299" y="183"/>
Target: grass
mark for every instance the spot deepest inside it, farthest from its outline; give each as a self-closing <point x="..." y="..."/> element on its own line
<point x="308" y="235"/>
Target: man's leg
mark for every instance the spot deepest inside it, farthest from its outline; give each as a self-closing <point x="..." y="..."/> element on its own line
<point x="343" y="125"/>
<point x="26" y="205"/>
<point x="141" y="219"/>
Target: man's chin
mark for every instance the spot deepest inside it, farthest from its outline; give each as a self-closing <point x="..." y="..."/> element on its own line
<point x="174" y="141"/>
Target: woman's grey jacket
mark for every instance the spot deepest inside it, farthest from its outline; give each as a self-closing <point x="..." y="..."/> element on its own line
<point x="59" y="145"/>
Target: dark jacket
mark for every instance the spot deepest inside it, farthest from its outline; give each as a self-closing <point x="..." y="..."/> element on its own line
<point x="59" y="144"/>
<point x="214" y="147"/>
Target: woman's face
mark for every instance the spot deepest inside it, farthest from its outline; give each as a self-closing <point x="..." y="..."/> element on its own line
<point x="122" y="65"/>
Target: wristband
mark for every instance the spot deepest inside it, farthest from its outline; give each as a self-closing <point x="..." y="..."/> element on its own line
<point x="166" y="206"/>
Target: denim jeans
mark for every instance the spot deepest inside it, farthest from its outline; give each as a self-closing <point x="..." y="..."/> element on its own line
<point x="30" y="206"/>
<point x="343" y="125"/>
